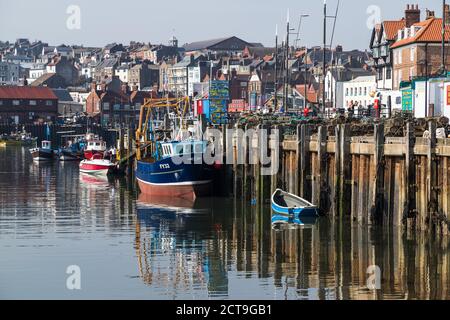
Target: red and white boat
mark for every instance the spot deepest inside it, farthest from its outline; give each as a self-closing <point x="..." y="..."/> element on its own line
<point x="95" y="146"/>
<point x="97" y="166"/>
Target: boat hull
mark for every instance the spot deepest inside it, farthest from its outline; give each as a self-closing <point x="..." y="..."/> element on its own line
<point x="42" y="155"/>
<point x="165" y="178"/>
<point x="287" y="204"/>
<point x="96" y="167"/>
<point x="89" y="154"/>
<point x="70" y="156"/>
<point x="302" y="212"/>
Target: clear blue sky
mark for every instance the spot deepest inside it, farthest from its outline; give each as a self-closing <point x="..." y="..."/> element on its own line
<point x="154" y="21"/>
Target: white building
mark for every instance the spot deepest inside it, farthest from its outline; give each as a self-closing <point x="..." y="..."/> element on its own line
<point x="361" y="90"/>
<point x="123" y="72"/>
<point x="334" y="84"/>
<point x="36" y="71"/>
<point x="194" y="78"/>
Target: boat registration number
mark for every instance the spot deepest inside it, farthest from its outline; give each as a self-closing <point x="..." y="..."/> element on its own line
<point x="164" y="166"/>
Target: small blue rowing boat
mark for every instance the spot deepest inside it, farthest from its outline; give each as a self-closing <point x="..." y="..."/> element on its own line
<point x="287" y="204"/>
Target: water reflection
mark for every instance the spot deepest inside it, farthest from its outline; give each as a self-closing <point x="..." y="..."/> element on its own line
<point x="283" y="222"/>
<point x="52" y="217"/>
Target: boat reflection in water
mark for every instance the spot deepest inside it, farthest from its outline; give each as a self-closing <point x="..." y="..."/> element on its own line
<point x="94" y="181"/>
<point x="170" y="206"/>
<point x="170" y="243"/>
<point x="283" y="222"/>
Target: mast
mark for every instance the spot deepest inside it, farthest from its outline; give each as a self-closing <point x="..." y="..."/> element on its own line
<point x="324" y="73"/>
<point x="286" y="83"/>
<point x="276" y="69"/>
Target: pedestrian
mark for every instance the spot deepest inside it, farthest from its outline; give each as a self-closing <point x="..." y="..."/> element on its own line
<point x="306" y="112"/>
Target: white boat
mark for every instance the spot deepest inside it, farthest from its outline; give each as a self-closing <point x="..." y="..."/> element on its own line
<point x="97" y="166"/>
<point x="286" y="203"/>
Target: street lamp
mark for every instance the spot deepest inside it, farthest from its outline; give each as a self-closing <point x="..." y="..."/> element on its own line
<point x="306" y="15"/>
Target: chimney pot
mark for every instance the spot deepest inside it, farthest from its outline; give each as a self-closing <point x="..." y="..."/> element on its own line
<point x="412" y="15"/>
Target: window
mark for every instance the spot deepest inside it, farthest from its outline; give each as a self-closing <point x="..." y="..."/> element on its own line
<point x="380" y="74"/>
<point x="346" y="92"/>
<point x="33" y="102"/>
<point x="413" y="54"/>
<point x="400" y="58"/>
<point x="1" y="102"/>
<point x="105" y="105"/>
<point x="365" y="91"/>
<point x="388" y="73"/>
<point x="49" y="103"/>
<point x="16" y="102"/>
<point x="360" y="91"/>
<point x="116" y="107"/>
<point x="351" y="91"/>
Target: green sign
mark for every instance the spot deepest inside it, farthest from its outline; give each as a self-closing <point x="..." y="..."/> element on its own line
<point x="407" y="100"/>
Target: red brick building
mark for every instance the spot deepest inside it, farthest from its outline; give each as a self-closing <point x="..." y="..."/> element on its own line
<point x="417" y="51"/>
<point x="110" y="107"/>
<point x="23" y="105"/>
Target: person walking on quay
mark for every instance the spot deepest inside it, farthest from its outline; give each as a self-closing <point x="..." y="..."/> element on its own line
<point x="306" y="112"/>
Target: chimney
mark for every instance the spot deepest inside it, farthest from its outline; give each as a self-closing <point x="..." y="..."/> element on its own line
<point x="430" y="14"/>
<point x="412" y="14"/>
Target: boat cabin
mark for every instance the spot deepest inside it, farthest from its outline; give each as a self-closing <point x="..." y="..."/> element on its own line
<point x="47" y="145"/>
<point x="96" y="145"/>
<point x="171" y="149"/>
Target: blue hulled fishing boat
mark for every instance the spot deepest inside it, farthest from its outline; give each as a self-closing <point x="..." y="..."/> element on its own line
<point x="164" y="175"/>
<point x="168" y="166"/>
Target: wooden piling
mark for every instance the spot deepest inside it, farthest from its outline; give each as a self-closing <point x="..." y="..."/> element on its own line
<point x="378" y="163"/>
<point x="410" y="211"/>
<point x="432" y="188"/>
<point x="305" y="177"/>
<point x="321" y="173"/>
<point x="345" y="164"/>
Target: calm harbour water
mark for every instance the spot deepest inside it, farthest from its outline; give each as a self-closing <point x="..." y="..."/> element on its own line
<point x="51" y="217"/>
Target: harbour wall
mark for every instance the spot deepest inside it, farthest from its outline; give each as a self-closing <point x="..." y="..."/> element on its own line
<point x="372" y="177"/>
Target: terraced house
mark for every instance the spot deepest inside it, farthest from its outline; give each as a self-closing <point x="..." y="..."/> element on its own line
<point x="418" y="49"/>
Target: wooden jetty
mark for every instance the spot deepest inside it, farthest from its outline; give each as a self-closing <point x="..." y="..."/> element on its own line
<point x="369" y="174"/>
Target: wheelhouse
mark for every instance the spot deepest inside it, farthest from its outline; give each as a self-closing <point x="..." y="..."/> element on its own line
<point x="171" y="149"/>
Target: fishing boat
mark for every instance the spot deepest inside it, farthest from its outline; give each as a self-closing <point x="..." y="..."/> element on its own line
<point x="163" y="175"/>
<point x="170" y="163"/>
<point x="285" y="203"/>
<point x="95" y="146"/>
<point x="44" y="153"/>
<point x="18" y="139"/>
<point x="97" y="166"/>
<point x="73" y="150"/>
<point x="68" y="154"/>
